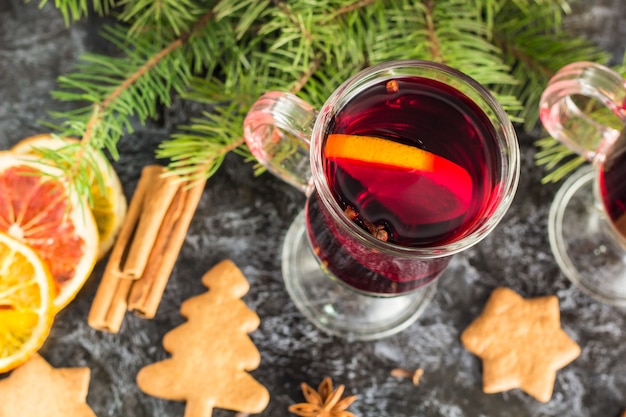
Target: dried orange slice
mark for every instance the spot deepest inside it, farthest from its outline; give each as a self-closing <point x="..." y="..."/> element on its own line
<point x="37" y="208"/>
<point x="109" y="203"/>
<point x="26" y="310"/>
<point x="405" y="179"/>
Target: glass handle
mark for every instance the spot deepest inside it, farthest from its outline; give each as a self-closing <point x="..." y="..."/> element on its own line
<point x="573" y="108"/>
<point x="277" y="130"/>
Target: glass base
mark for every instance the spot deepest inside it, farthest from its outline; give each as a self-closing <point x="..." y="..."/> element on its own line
<point x="335" y="308"/>
<point x="585" y="251"/>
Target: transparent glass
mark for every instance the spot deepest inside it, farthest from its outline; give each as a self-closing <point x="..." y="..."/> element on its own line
<point x="584" y="107"/>
<point x="340" y="274"/>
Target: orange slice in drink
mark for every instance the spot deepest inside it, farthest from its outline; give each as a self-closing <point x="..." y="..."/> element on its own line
<point x="26" y="294"/>
<point x="37" y="208"/>
<point x="418" y="186"/>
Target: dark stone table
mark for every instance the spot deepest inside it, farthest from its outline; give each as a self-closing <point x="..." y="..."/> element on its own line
<point x="244" y="218"/>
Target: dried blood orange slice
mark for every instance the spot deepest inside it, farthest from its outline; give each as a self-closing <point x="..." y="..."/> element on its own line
<point x="403" y="177"/>
<point x="37" y="208"/>
<point x="109" y="203"/>
<point x="26" y="294"/>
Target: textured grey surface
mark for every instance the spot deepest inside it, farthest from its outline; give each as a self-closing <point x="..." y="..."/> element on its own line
<point x="244" y="218"/>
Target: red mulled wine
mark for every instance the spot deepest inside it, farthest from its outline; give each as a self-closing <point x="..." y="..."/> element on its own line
<point x="415" y="163"/>
<point x="613" y="184"/>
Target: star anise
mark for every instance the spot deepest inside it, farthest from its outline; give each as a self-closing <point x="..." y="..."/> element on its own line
<point x="324" y="402"/>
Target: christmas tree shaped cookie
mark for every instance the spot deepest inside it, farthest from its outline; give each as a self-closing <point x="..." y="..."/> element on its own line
<point x="211" y="352"/>
<point x="37" y="389"/>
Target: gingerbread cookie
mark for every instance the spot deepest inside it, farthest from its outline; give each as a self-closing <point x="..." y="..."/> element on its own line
<point x="521" y="343"/>
<point x="211" y="352"/>
<point x="37" y="389"/>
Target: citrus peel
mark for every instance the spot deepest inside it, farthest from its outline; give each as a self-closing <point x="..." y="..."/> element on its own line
<point x="374" y="150"/>
<point x="109" y="203"/>
<point x="26" y="302"/>
<point x="37" y="208"/>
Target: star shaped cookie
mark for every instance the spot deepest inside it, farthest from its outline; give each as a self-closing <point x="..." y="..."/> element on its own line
<point x="37" y="389"/>
<point x="521" y="343"/>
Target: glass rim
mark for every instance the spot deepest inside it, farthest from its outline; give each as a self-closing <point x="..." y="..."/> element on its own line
<point x="507" y="138"/>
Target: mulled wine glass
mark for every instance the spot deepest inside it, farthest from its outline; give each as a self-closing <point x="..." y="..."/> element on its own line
<point x="407" y="163"/>
<point x="584" y="107"/>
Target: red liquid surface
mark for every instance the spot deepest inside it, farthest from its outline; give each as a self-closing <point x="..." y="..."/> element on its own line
<point x="613" y="185"/>
<point x="414" y="207"/>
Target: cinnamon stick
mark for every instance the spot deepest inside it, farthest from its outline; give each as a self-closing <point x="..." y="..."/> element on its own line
<point x="146" y="249"/>
<point x="113" y="288"/>
<point x="155" y="205"/>
<point x="146" y="292"/>
<point x="118" y="307"/>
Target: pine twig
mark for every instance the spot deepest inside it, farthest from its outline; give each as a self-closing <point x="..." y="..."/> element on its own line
<point x="435" y="49"/>
<point x="354" y="6"/>
<point x="99" y="109"/>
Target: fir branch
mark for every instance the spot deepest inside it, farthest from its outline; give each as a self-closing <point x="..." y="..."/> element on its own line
<point x="557" y="159"/>
<point x="74" y="10"/>
<point x="225" y="54"/>
<point x="161" y="17"/>
<point x="433" y="39"/>
<point x="101" y="107"/>
<point x="535" y="46"/>
<point x="117" y="89"/>
<point x="354" y="6"/>
<point x="192" y="156"/>
<point x="302" y="81"/>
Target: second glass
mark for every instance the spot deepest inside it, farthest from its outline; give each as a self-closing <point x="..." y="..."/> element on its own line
<point x="584" y="107"/>
<point x="406" y="164"/>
